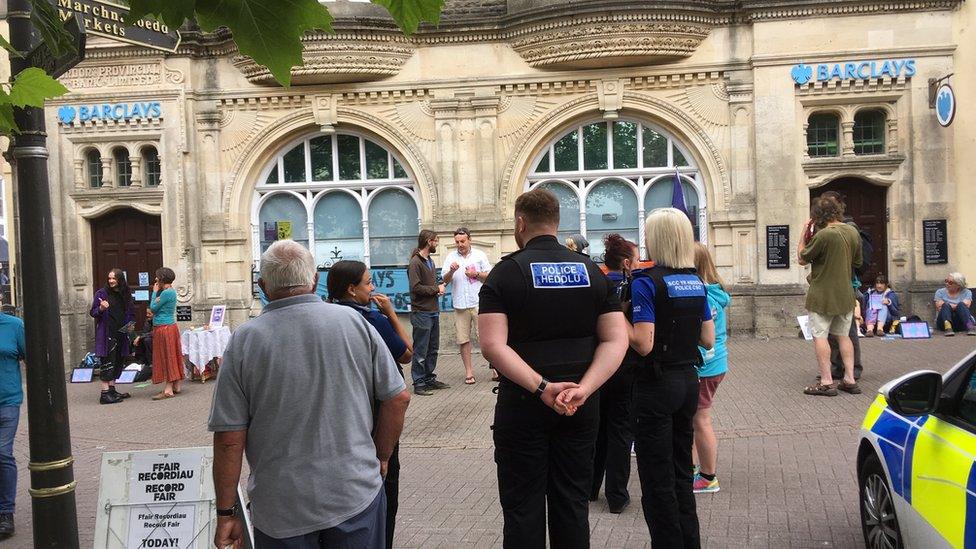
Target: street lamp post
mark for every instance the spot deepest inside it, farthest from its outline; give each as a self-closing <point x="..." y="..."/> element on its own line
<point x="52" y="487"/>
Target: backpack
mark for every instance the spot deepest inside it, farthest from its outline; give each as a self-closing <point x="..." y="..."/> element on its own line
<point x="867" y="253"/>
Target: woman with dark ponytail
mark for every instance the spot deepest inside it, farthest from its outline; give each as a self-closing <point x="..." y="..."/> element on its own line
<point x="112" y="308"/>
<point x="616" y="434"/>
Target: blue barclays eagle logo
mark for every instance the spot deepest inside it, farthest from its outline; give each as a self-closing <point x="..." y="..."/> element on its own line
<point x="67" y="114"/>
<point x="802" y="73"/>
<point x="945" y="105"/>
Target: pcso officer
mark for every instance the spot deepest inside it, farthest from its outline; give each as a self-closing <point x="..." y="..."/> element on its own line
<point x="551" y="325"/>
<point x="671" y="318"/>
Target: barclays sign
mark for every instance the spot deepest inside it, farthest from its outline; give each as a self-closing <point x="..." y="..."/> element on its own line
<point x="860" y="70"/>
<point x="69" y="114"/>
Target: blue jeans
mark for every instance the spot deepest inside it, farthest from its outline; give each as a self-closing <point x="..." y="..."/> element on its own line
<point x="367" y="530"/>
<point x="426" y="342"/>
<point x="9" y="418"/>
<point x="960" y="317"/>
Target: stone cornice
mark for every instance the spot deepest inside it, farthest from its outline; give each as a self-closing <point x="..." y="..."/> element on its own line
<point x="764" y="10"/>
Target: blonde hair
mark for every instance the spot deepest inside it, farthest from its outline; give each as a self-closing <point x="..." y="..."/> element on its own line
<point x="670" y="238"/>
<point x="959" y="279"/>
<point x="706" y="267"/>
<point x="571" y="244"/>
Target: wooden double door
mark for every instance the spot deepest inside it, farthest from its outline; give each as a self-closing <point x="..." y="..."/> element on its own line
<point x="132" y="241"/>
<point x="867" y="204"/>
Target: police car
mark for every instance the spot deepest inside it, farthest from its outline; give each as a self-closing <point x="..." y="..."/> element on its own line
<point x="916" y="462"/>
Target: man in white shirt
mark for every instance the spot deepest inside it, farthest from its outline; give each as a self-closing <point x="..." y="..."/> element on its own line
<point x="465" y="269"/>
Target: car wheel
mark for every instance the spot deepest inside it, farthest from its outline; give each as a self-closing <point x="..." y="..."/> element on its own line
<point x="878" y="521"/>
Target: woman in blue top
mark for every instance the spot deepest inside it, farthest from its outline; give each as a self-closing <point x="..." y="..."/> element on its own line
<point x="11" y="396"/>
<point x="167" y="350"/>
<point x="351" y="284"/>
<point x="952" y="305"/>
<point x="712" y="371"/>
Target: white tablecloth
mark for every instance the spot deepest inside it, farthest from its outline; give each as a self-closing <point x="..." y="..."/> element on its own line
<point x="200" y="346"/>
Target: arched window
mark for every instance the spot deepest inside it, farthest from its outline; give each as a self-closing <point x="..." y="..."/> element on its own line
<point x="93" y="168"/>
<point x="823" y="130"/>
<point x="123" y="167"/>
<point x="349" y="192"/>
<point x="869" y="132"/>
<point x="151" y="167"/>
<point x="615" y="173"/>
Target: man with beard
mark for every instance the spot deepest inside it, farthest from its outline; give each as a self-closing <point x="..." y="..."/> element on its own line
<point x="425" y="314"/>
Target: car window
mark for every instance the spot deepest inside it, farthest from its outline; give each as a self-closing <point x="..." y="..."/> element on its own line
<point x="967" y="404"/>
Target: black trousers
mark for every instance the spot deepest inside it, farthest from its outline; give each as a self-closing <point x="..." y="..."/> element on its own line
<point x="545" y="462"/>
<point x="836" y="364"/>
<point x="613" y="440"/>
<point x="665" y="405"/>
<point x="391" y="485"/>
<point x="112" y="364"/>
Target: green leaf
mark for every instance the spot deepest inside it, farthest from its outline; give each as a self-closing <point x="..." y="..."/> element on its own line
<point x="171" y="12"/>
<point x="6" y="45"/>
<point x="409" y="14"/>
<point x="47" y="23"/>
<point x="268" y="32"/>
<point x="8" y="126"/>
<point x="32" y="86"/>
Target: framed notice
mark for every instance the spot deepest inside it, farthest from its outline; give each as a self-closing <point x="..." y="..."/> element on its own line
<point x="217" y="316"/>
<point x="156" y="498"/>
<point x="777" y="246"/>
<point x="935" y="241"/>
<point x="82" y="375"/>
<point x="184" y="313"/>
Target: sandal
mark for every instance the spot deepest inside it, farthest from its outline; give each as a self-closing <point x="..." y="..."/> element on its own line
<point x="851" y="388"/>
<point x="469" y="380"/>
<point x="163" y="396"/>
<point x="820" y="390"/>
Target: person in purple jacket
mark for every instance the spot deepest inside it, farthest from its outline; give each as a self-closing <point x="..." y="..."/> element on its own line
<point x="112" y="308"/>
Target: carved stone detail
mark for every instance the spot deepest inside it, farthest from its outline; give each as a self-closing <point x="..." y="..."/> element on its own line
<point x="611" y="43"/>
<point x="347" y="57"/>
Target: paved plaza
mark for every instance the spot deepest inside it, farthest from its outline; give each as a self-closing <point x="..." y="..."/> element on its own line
<point x="786" y="461"/>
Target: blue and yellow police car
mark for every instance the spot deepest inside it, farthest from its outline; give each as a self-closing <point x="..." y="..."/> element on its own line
<point x="916" y="462"/>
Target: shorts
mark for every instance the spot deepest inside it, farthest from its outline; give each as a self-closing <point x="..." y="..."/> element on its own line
<point x="706" y="390"/>
<point x="463" y="319"/>
<point x="838" y="325"/>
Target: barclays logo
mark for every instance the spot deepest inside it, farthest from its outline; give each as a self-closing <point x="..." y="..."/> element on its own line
<point x="945" y="105"/>
<point x="802" y="73"/>
<point x="66" y="114"/>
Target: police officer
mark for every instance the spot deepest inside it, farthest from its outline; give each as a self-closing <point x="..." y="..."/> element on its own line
<point x="671" y="318"/>
<point x="552" y="327"/>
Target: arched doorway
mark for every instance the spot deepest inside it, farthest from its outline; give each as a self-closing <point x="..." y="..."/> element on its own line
<point x="132" y="241"/>
<point x="867" y="204"/>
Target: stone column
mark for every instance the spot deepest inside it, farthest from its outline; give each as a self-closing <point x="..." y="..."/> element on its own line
<point x="107" y="179"/>
<point x="136" y="163"/>
<point x="847" y="138"/>
<point x="79" y="173"/>
<point x="891" y="147"/>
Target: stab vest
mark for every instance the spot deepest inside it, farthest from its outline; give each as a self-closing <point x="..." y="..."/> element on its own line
<point x="562" y="292"/>
<point x="679" y="300"/>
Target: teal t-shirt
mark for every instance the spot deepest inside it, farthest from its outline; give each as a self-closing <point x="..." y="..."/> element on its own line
<point x="11" y="353"/>
<point x="716" y="359"/>
<point x="164" y="310"/>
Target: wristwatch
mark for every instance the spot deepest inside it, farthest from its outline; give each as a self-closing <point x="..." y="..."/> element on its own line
<point x="542" y="387"/>
<point x="234" y="511"/>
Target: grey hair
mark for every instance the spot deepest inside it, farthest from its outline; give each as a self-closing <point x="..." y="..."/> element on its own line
<point x="959" y="279"/>
<point x="287" y="264"/>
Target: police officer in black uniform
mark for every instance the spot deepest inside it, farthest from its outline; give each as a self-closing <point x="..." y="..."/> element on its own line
<point x="671" y="318"/>
<point x="551" y="325"/>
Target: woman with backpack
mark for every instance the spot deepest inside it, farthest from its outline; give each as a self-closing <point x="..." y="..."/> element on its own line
<point x="351" y="284"/>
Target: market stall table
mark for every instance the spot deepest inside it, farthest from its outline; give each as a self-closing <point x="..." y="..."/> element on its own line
<point x="203" y="350"/>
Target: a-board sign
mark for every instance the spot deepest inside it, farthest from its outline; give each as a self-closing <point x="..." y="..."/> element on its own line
<point x="156" y="498"/>
<point x="777" y="246"/>
<point x="935" y="241"/>
<point x="184" y="313"/>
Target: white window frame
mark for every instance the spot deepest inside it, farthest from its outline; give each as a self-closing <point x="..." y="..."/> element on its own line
<point x="310" y="192"/>
<point x="640" y="179"/>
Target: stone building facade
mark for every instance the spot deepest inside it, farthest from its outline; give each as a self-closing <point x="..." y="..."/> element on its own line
<point x="198" y="159"/>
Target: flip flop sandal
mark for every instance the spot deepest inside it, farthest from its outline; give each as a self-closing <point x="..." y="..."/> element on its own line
<point x="163" y="396"/>
<point x="853" y="388"/>
<point x="469" y="380"/>
<point x="820" y="390"/>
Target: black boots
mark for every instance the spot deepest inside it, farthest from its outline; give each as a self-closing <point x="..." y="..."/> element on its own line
<point x="118" y="394"/>
<point x="110" y="397"/>
<point x="6" y="525"/>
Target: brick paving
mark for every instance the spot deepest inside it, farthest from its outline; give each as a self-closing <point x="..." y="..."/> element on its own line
<point x="786" y="461"/>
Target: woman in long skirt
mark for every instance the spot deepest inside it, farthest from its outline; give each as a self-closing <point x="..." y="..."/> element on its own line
<point x="167" y="350"/>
